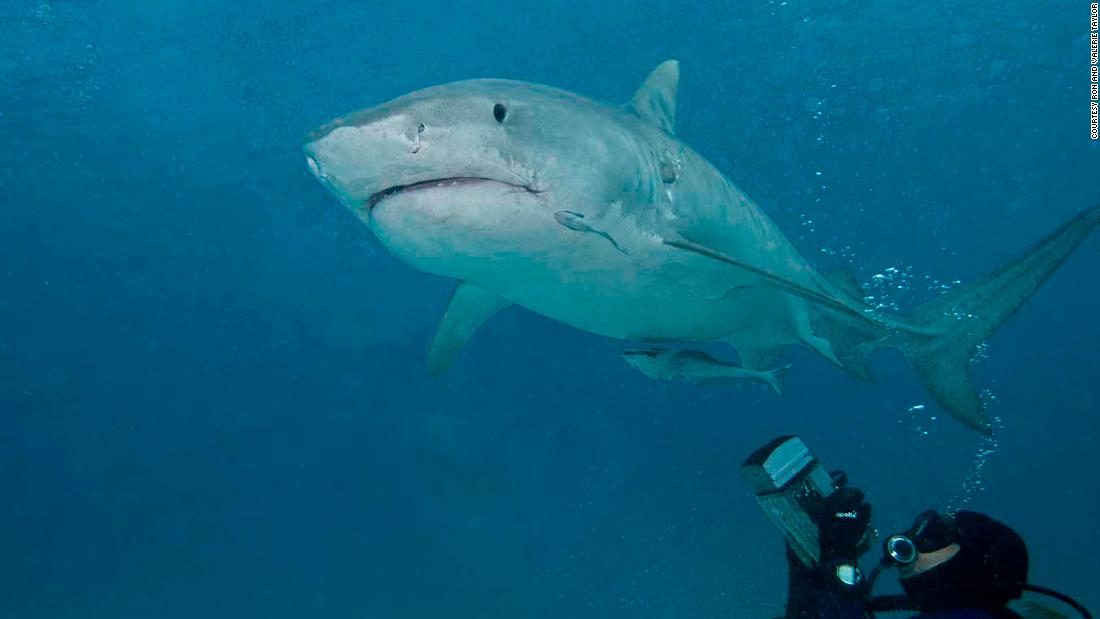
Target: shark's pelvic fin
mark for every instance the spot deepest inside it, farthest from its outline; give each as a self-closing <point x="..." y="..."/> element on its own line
<point x="852" y="341"/>
<point x="655" y="100"/>
<point x="467" y="310"/>
<point x="814" y="341"/>
<point x="972" y="313"/>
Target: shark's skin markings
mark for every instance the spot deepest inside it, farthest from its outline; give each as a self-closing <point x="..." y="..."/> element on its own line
<point x="599" y="217"/>
<point x="696" y="367"/>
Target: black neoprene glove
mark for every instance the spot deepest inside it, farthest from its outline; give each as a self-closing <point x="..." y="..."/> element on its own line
<point x="843" y="521"/>
<point x="835" y="587"/>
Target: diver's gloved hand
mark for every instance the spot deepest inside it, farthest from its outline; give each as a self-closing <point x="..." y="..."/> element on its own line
<point x="843" y="522"/>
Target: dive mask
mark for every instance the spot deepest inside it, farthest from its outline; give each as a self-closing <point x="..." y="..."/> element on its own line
<point x="930" y="532"/>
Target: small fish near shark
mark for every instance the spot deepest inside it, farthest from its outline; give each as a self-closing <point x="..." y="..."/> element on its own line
<point x="599" y="217"/>
<point x="697" y="367"/>
<point x="576" y="221"/>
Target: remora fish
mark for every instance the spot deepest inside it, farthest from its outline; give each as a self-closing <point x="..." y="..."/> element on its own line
<point x="468" y="180"/>
<point x="696" y="367"/>
<point x="576" y="221"/>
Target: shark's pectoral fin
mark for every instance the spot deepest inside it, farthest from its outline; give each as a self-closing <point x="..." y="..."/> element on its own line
<point x="655" y="100"/>
<point x="468" y="308"/>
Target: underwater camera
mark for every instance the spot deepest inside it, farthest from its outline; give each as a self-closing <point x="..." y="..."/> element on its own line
<point x="789" y="482"/>
<point x="790" y="485"/>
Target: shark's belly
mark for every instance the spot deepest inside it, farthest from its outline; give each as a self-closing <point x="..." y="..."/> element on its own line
<point x="637" y="312"/>
<point x="672" y="302"/>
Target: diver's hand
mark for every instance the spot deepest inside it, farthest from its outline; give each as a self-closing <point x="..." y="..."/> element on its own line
<point x="843" y="521"/>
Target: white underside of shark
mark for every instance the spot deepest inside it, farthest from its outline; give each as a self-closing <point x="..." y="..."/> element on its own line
<point x="599" y="217"/>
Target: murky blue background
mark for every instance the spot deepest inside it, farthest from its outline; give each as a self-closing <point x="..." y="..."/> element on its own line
<point x="213" y="399"/>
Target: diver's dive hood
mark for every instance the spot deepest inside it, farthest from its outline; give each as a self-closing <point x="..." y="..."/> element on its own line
<point x="989" y="570"/>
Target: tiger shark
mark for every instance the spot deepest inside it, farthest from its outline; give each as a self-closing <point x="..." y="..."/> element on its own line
<point x="599" y="217"/>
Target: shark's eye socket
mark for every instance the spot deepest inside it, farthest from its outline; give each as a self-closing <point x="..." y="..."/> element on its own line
<point x="420" y="128"/>
<point x="499" y="112"/>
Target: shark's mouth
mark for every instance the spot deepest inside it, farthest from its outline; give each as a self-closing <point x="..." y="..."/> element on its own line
<point x="439" y="183"/>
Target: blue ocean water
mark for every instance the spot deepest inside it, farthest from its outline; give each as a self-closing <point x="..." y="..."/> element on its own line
<point x="212" y="378"/>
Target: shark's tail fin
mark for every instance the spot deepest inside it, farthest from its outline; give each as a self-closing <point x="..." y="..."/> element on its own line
<point x="967" y="315"/>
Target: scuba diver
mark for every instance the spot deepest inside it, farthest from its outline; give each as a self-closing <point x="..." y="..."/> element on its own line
<point x="964" y="565"/>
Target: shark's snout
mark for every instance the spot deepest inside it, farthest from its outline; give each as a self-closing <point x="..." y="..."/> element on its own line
<point x="325" y="180"/>
<point x="383" y="121"/>
<point x="356" y="119"/>
<point x="313" y="167"/>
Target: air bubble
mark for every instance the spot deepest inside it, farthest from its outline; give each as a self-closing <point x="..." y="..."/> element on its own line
<point x="882" y="285"/>
<point x="973" y="484"/>
<point x="915" y="416"/>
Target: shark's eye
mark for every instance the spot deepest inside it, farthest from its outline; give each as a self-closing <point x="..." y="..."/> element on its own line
<point x="499" y="112"/>
<point x="420" y="128"/>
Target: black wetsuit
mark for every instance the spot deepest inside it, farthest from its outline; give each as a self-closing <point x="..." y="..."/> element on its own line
<point x="812" y="596"/>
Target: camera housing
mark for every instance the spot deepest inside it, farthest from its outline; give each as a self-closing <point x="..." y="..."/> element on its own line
<point x="788" y="482"/>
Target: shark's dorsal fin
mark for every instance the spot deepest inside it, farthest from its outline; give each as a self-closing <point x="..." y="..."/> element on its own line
<point x="655" y="99"/>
